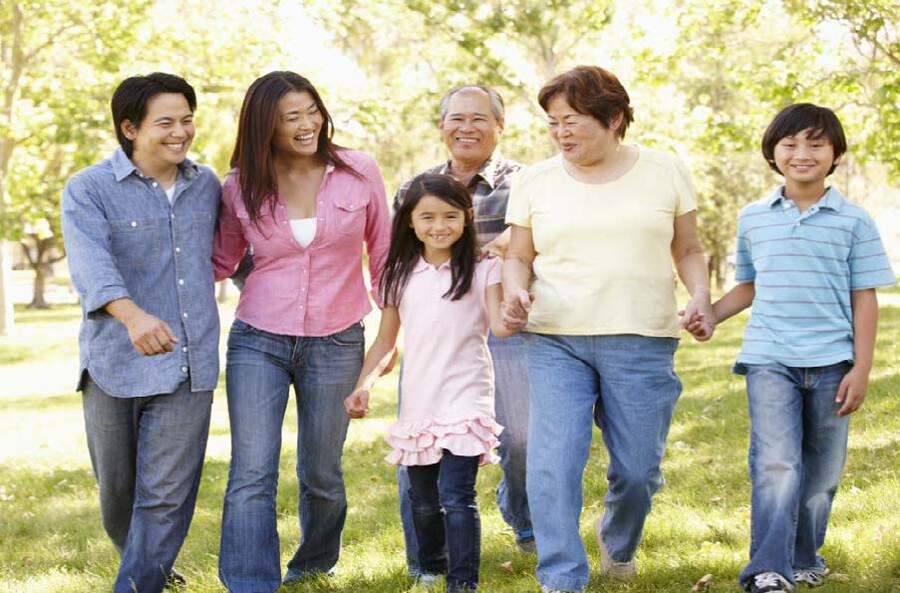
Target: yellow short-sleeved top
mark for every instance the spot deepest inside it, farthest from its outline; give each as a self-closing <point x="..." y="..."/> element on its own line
<point x="603" y="263"/>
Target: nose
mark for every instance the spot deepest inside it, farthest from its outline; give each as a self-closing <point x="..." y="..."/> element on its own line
<point x="179" y="130"/>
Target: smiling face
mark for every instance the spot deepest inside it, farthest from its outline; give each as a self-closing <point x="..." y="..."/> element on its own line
<point x="804" y="159"/>
<point x="298" y="124"/>
<point x="469" y="128"/>
<point x="437" y="224"/>
<point x="162" y="138"/>
<point x="582" y="139"/>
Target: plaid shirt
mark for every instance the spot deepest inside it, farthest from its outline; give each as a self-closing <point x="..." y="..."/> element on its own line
<point x="490" y="194"/>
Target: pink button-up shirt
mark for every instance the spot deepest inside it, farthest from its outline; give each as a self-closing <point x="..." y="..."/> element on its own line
<point x="317" y="290"/>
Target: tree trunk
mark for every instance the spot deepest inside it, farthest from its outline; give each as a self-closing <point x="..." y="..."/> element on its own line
<point x="40" y="282"/>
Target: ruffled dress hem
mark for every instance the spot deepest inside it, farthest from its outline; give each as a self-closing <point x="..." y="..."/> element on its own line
<point x="422" y="442"/>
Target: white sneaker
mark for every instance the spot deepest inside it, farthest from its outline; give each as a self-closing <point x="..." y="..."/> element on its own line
<point x="810" y="577"/>
<point x="622" y="571"/>
<point x="770" y="582"/>
<point x="427" y="580"/>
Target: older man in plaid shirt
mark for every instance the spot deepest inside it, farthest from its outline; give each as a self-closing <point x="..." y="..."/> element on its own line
<point x="471" y="122"/>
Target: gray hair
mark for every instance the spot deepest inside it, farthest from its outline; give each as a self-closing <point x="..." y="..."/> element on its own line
<point x="497" y="107"/>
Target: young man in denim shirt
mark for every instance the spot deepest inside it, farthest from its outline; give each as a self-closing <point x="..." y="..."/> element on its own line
<point x="138" y="230"/>
<point x="808" y="262"/>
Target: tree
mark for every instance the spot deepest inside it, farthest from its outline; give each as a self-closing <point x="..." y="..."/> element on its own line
<point x="60" y="59"/>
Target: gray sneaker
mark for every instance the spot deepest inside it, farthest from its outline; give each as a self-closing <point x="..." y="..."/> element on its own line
<point x="622" y="571"/>
<point x="811" y="577"/>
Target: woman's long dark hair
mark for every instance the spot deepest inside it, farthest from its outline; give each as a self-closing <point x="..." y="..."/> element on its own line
<point x="252" y="155"/>
<point x="406" y="248"/>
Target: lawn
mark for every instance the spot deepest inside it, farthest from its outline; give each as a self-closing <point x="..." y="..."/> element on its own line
<point x="51" y="538"/>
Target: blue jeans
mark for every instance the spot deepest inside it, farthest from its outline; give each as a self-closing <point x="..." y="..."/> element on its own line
<point x="445" y="515"/>
<point x="626" y="382"/>
<point x="798" y="446"/>
<point x="260" y="369"/>
<point x="147" y="454"/>
<point x="511" y="404"/>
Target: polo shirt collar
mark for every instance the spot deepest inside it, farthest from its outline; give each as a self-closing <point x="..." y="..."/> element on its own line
<point x="833" y="200"/>
<point x="423" y="265"/>
<point x="123" y="166"/>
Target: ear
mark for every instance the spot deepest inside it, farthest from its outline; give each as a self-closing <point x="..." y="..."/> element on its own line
<point x="500" y="124"/>
<point x="470" y="213"/>
<point x="616" y="122"/>
<point x="128" y="129"/>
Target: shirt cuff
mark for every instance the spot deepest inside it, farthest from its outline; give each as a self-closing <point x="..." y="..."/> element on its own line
<point x="94" y="303"/>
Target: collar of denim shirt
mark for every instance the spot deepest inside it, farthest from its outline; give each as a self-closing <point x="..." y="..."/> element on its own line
<point x="123" y="167"/>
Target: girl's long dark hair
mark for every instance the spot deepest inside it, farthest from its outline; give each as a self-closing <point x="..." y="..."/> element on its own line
<point x="252" y="155"/>
<point x="406" y="248"/>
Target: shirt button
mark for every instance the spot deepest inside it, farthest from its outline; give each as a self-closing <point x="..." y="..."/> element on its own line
<point x="184" y="369"/>
<point x="184" y="348"/>
<point x="301" y="306"/>
<point x="178" y="250"/>
<point x="181" y="281"/>
<point x="133" y="223"/>
<point x="173" y="215"/>
<point x="155" y="184"/>
<point x="184" y="314"/>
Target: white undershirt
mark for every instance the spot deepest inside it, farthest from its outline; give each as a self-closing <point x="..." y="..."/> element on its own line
<point x="170" y="193"/>
<point x="304" y="230"/>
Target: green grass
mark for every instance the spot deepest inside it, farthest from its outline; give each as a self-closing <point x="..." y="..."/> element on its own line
<point x="51" y="538"/>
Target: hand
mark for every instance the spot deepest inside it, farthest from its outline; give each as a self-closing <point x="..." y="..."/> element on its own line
<point x="698" y="318"/>
<point x="149" y="335"/>
<point x="390" y="365"/>
<point x="852" y="391"/>
<point x="515" y="309"/>
<point x="357" y="403"/>
<point x="498" y="246"/>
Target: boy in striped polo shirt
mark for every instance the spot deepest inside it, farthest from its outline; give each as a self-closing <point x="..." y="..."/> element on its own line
<point x="808" y="262"/>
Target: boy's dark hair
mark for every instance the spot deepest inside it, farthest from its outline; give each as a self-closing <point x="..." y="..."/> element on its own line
<point x="130" y="99"/>
<point x="793" y="119"/>
<point x="406" y="248"/>
<point x="592" y="91"/>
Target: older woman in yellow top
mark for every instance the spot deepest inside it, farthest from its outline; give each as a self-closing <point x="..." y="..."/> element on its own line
<point x="595" y="231"/>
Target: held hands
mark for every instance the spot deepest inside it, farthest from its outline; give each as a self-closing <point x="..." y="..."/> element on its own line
<point x="698" y="318"/>
<point x="852" y="391"/>
<point x="149" y="335"/>
<point x="515" y="308"/>
<point x="357" y="403"/>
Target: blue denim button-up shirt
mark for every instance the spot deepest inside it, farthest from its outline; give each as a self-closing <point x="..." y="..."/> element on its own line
<point x="125" y="240"/>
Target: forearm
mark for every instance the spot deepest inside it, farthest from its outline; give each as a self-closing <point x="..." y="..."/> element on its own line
<point x="516" y="274"/>
<point x="734" y="301"/>
<point x="693" y="273"/>
<point x="123" y="310"/>
<point x="377" y="359"/>
<point x="865" y="327"/>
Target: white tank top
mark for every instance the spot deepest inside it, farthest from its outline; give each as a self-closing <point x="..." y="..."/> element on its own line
<point x="304" y="230"/>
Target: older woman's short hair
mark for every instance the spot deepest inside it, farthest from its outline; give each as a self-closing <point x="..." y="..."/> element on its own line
<point x="593" y="91"/>
<point x="497" y="106"/>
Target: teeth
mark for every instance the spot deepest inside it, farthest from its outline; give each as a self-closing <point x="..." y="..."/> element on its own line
<point x="306" y="137"/>
<point x="467" y="140"/>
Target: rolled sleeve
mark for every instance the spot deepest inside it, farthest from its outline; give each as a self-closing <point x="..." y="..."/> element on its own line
<point x="229" y="244"/>
<point x="378" y="230"/>
<point x="87" y="238"/>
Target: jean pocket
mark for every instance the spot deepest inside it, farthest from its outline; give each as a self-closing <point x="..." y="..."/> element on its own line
<point x="352" y="336"/>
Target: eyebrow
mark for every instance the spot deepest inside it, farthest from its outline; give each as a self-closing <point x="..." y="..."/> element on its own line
<point x="458" y="113"/>
<point x="163" y="118"/>
<point x="299" y="109"/>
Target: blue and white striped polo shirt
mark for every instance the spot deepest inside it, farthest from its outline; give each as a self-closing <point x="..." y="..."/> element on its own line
<point x="804" y="266"/>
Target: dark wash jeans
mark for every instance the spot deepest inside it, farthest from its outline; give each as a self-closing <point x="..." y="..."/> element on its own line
<point x="260" y="368"/>
<point x="147" y="454"/>
<point x="445" y="515"/>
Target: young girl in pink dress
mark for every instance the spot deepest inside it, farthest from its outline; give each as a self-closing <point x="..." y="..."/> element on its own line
<point x="446" y="298"/>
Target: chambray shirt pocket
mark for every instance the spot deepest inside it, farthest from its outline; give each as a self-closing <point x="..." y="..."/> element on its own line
<point x="135" y="241"/>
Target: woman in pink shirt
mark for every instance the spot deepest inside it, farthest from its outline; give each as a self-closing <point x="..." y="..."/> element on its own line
<point x="305" y="206"/>
<point x="446" y="299"/>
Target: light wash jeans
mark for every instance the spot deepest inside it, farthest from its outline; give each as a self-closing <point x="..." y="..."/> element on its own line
<point x="147" y="454"/>
<point x="798" y="446"/>
<point x="260" y="368"/>
<point x="628" y="384"/>
<point x="511" y="405"/>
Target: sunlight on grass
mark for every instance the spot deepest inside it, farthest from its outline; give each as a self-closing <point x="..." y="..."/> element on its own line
<point x="51" y="538"/>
